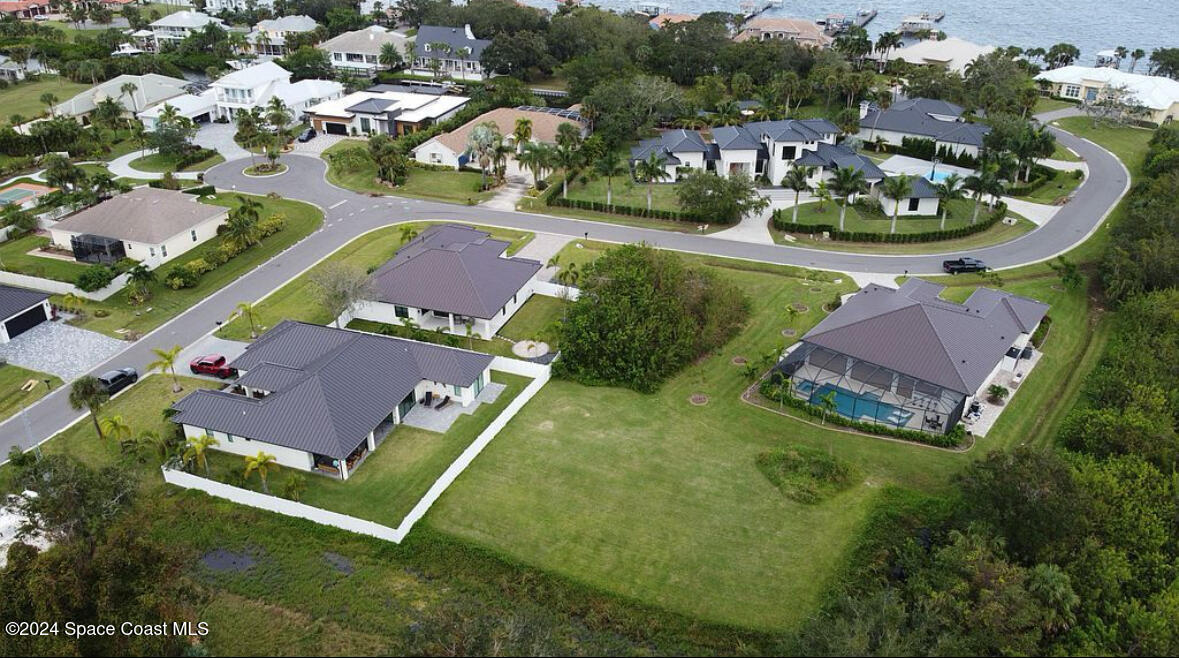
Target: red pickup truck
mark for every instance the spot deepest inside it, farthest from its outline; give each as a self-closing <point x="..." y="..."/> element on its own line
<point x="212" y="364"/>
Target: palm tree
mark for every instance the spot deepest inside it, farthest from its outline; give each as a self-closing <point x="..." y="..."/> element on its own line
<point x="948" y="189"/>
<point x="847" y="183"/>
<point x="796" y="179"/>
<point x="195" y="449"/>
<point x="390" y="57"/>
<point x="261" y="463"/>
<point x="828" y="404"/>
<point x="408" y="232"/>
<point x="114" y="427"/>
<point x="896" y="188"/>
<point x="481" y="144"/>
<point x="247" y="130"/>
<point x="536" y="157"/>
<point x="245" y="310"/>
<point x="148" y="440"/>
<point x="567" y="157"/>
<point x="610" y="164"/>
<point x="727" y="113"/>
<point x="141" y="276"/>
<point x="241" y="228"/>
<point x="49" y="100"/>
<point x="985" y="182"/>
<point x="1136" y="55"/>
<point x="1119" y="54"/>
<point x="522" y="133"/>
<point x="885" y="43"/>
<point x="278" y="116"/>
<point x="651" y="170"/>
<point x="822" y="193"/>
<point x="166" y="361"/>
<point x="88" y="393"/>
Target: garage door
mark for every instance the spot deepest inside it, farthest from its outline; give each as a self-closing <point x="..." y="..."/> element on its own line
<point x="335" y="128"/>
<point x="201" y="118"/>
<point x="25" y="321"/>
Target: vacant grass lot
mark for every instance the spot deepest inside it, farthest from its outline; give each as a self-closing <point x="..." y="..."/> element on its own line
<point x="396" y="475"/>
<point x="159" y="163"/>
<point x="452" y="186"/>
<point x="166" y="303"/>
<point x="12" y="398"/>
<point x="25" y="98"/>
<point x="1061" y="184"/>
<point x="295" y="300"/>
<point x="627" y="192"/>
<point x="15" y="257"/>
<point x="536" y="320"/>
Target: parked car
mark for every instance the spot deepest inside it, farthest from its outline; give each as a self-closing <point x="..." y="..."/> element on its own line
<point x="117" y="380"/>
<point x="212" y="364"/>
<point x="307" y="135"/>
<point x="963" y="265"/>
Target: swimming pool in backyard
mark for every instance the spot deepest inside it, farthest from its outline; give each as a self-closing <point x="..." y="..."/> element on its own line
<point x="857" y="406"/>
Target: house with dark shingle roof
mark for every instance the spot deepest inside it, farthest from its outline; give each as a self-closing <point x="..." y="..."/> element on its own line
<point x="21" y="310"/>
<point x="321" y="399"/>
<point x="921" y="202"/>
<point x="922" y="118"/>
<point x="456" y="48"/>
<point x="906" y="358"/>
<point x="676" y="148"/>
<point x="448" y="277"/>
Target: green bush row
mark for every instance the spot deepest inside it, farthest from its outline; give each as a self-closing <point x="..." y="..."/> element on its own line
<point x="782" y="222"/>
<point x="188" y="275"/>
<point x="552" y="197"/>
<point x="954" y="439"/>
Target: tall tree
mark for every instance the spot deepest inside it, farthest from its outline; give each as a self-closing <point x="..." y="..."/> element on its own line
<point x="166" y="362"/>
<point x="651" y="171"/>
<point x="609" y="165"/>
<point x="948" y="189"/>
<point x="846" y="183"/>
<point x="88" y="393"/>
<point x="797" y="179"/>
<point x="896" y="188"/>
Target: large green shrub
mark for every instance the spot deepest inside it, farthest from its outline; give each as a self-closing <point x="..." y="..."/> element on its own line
<point x="642" y="315"/>
<point x="95" y="277"/>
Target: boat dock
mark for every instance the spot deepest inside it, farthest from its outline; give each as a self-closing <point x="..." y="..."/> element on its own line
<point x="926" y="20"/>
<point x="835" y="24"/>
<point x="751" y="9"/>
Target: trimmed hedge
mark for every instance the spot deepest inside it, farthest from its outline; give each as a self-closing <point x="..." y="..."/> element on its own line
<point x="782" y="222"/>
<point x="927" y="149"/>
<point x="952" y="440"/>
<point x="552" y="197"/>
<point x="201" y="191"/>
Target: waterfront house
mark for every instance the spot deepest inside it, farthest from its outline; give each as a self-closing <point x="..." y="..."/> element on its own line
<point x="456" y="50"/>
<point x="941" y="122"/>
<point x="359" y="52"/>
<point x="1155" y="97"/>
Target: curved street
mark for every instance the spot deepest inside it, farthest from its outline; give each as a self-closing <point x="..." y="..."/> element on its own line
<point x="349" y="215"/>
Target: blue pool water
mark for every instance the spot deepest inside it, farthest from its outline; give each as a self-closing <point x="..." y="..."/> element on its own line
<point x="938" y="176"/>
<point x="857" y="406"/>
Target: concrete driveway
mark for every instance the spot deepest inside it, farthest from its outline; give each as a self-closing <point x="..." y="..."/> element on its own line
<point x="219" y="137"/>
<point x="319" y="144"/>
<point x="60" y="349"/>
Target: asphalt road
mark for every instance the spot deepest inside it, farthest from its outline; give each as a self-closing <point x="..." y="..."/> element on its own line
<point x="349" y="215"/>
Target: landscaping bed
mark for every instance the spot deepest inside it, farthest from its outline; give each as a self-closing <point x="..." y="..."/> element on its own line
<point x="452" y="186"/>
<point x="863" y="225"/>
<point x="160" y="163"/>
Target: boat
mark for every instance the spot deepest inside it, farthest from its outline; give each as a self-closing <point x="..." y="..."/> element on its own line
<point x="925" y="21"/>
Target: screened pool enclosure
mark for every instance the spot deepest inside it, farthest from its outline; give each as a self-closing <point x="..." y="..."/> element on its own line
<point x="866" y="392"/>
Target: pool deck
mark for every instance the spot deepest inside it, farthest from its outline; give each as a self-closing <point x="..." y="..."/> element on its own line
<point x="1011" y="380"/>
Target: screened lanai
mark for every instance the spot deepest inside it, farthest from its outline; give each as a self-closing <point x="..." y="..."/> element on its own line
<point x="867" y="392"/>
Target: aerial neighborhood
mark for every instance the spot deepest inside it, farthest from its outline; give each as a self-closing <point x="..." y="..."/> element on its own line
<point x="424" y="327"/>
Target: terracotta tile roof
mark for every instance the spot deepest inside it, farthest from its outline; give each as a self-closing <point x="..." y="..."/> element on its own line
<point x="544" y="126"/>
<point x="799" y="29"/>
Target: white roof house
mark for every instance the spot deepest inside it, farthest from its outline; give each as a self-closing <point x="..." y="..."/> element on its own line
<point x="199" y="108"/>
<point x="389" y="112"/>
<point x="218" y="6"/>
<point x="359" y="51"/>
<point x="1159" y="96"/>
<point x="254" y="86"/>
<point x="150" y="88"/>
<point x="177" y="26"/>
<point x="269" y="37"/>
<point x="952" y="54"/>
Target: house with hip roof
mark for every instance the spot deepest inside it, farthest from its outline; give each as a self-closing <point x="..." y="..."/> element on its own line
<point x="321" y="399"/>
<point x="176" y="27"/>
<point x="455" y="49"/>
<point x="269" y="36"/>
<point x="359" y="52"/>
<point x="149" y="89"/>
<point x="450" y="149"/>
<point x="941" y="122"/>
<point x="449" y="277"/>
<point x="147" y="224"/>
<point x="907" y="359"/>
<point x="254" y="86"/>
<point x="1156" y="97"/>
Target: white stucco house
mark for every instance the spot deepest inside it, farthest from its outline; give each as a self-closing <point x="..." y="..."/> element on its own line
<point x="254" y="86"/>
<point x="385" y="109"/>
<point x="321" y="399"/>
<point x="941" y="122"/>
<point x="447" y="277"/>
<point x="149" y="225"/>
<point x="921" y="202"/>
<point x="176" y="27"/>
<point x="1156" y="96"/>
<point x="450" y="149"/>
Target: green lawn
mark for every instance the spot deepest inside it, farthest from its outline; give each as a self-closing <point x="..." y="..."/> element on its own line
<point x="1062" y="153"/>
<point x="536" y="320"/>
<point x="396" y="475"/>
<point x="997" y="234"/>
<point x="961" y="211"/>
<point x="1060" y="185"/>
<point x="159" y="163"/>
<point x="1052" y="104"/>
<point x="295" y="300"/>
<point x="533" y="205"/>
<point x="166" y="303"/>
<point x="14" y="257"/>
<point x="452" y="186"/>
<point x="25" y="98"/>
<point x="627" y="192"/>
<point x="12" y="398"/>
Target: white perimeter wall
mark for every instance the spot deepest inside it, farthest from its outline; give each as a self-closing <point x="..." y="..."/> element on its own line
<point x="289" y="457"/>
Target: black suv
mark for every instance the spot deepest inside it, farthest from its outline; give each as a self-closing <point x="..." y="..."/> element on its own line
<point x="307" y="135"/>
<point x="117" y="380"/>
<point x="963" y="265"/>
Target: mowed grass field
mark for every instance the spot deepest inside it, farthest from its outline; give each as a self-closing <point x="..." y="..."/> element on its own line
<point x="24" y="98"/>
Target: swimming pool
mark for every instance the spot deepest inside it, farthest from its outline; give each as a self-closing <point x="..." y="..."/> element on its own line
<point x="857" y="406"/>
<point x="937" y="176"/>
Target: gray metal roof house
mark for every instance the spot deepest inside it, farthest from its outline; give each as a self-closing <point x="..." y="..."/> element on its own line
<point x="450" y="275"/>
<point x="905" y="357"/>
<point x="320" y="398"/>
<point x="21" y="310"/>
<point x="924" y="118"/>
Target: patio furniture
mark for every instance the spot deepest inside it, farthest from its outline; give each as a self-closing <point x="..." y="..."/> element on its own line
<point x="429" y="399"/>
<point x="441" y="405"/>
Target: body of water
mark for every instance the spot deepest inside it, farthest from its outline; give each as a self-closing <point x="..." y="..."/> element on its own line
<point x="1091" y="25"/>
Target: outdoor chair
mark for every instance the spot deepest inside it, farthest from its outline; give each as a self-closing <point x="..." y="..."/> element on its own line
<point x="429" y="398"/>
<point x="445" y="401"/>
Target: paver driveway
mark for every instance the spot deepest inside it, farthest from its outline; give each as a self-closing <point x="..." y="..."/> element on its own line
<point x="59" y="349"/>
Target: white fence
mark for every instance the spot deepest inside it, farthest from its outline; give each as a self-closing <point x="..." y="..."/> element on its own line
<point x="540" y="375"/>
<point x="61" y="287"/>
<point x="550" y="289"/>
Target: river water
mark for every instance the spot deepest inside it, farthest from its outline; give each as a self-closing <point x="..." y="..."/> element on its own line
<point x="1091" y="25"/>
